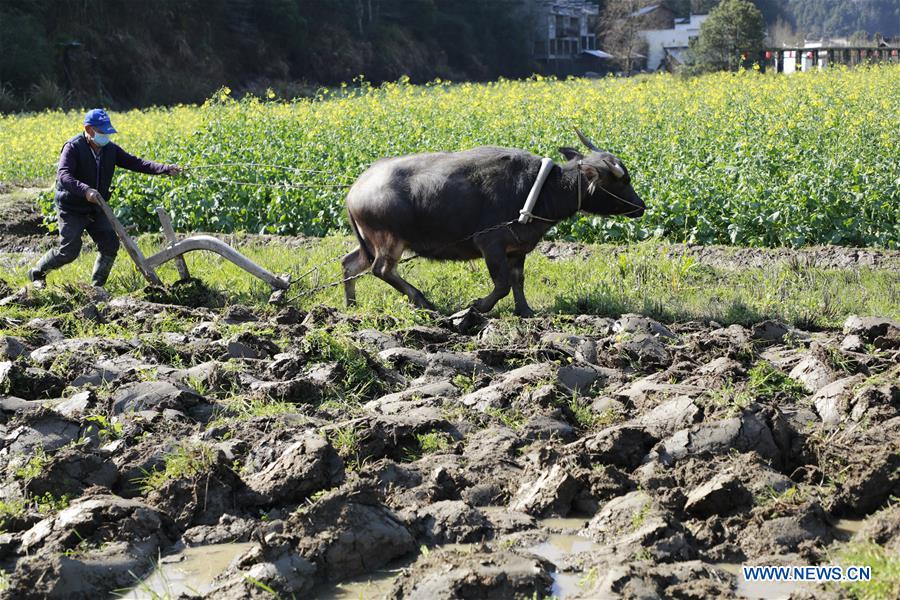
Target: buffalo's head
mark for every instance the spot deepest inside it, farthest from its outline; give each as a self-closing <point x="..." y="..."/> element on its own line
<point x="608" y="189"/>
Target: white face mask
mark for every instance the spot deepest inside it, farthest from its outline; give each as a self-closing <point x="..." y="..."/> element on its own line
<point x="100" y="139"/>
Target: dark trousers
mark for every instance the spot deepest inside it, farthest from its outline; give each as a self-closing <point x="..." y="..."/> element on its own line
<point x="72" y="225"/>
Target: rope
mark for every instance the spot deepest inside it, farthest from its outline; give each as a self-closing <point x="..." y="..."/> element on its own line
<point x="579" y="187"/>
<point x="282" y="185"/>
<point x="254" y="164"/>
<point x="621" y="199"/>
<point x="597" y="185"/>
<point x="315" y="290"/>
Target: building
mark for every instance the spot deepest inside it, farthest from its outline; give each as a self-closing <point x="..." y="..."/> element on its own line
<point x="667" y="47"/>
<point x="654" y="16"/>
<point x="565" y="39"/>
<point x="820" y="54"/>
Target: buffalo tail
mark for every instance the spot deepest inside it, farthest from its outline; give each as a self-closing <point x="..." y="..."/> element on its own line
<point x="362" y="243"/>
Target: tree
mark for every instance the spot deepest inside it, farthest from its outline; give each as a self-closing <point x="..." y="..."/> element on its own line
<point x="733" y="28"/>
<point x="619" y="32"/>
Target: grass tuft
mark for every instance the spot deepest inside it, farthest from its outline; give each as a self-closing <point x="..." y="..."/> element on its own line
<point x="186" y="462"/>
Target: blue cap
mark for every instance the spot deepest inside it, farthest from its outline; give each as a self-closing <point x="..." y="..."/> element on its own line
<point x="99" y="120"/>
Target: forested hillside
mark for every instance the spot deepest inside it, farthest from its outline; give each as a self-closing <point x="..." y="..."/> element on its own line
<point x="125" y="53"/>
<point x="813" y="18"/>
<point x="845" y="17"/>
<point x="122" y="53"/>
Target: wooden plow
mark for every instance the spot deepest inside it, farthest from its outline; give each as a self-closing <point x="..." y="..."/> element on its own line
<point x="176" y="248"/>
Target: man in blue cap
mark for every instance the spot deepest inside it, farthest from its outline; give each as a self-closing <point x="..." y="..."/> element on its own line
<point x="83" y="177"/>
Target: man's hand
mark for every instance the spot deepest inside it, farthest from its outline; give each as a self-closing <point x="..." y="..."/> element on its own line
<point x="175" y="170"/>
<point x="93" y="196"/>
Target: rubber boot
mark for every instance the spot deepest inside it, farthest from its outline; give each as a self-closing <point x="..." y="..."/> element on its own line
<point x="49" y="261"/>
<point x="102" y="266"/>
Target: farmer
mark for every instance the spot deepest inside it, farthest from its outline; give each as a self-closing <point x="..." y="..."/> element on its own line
<point x="85" y="172"/>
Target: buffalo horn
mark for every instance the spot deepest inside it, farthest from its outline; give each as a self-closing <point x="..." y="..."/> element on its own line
<point x="586" y="141"/>
<point x="614" y="167"/>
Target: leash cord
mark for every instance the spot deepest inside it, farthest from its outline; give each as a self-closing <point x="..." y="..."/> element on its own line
<point x="281" y="185"/>
<point x="319" y="288"/>
<point x="254" y="164"/>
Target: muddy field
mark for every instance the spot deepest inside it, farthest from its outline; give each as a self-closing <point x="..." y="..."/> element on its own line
<point x="580" y="456"/>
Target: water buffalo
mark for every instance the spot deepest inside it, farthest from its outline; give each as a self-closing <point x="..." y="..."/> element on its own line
<point x="459" y="205"/>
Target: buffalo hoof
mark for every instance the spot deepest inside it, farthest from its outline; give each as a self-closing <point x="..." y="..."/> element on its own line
<point x="481" y="306"/>
<point x="423" y="304"/>
<point x="525" y="313"/>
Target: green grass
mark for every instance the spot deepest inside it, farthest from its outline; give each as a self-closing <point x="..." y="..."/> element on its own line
<point x="107" y="429"/>
<point x="428" y="443"/>
<point x="730" y="397"/>
<point x="511" y="417"/>
<point x="35" y="465"/>
<point x="766" y="382"/>
<point x="581" y="411"/>
<point x="247" y="407"/>
<point x="639" y="516"/>
<point x="645" y="279"/>
<point x="359" y="379"/>
<point x="17" y="508"/>
<point x="885" y="564"/>
<point x="185" y="462"/>
<point x="345" y="440"/>
<point x="465" y="383"/>
<point x="12" y="509"/>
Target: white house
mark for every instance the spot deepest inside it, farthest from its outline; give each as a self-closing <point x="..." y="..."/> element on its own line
<point x="671" y="42"/>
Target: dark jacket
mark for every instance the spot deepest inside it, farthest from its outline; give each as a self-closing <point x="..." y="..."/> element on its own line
<point x="78" y="171"/>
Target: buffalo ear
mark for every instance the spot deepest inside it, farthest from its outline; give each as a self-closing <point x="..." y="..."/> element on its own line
<point x="571" y="153"/>
<point x="590" y="172"/>
<point x="592" y="175"/>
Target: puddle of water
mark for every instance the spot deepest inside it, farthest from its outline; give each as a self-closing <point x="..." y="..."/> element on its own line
<point x="190" y="571"/>
<point x="566" y="584"/>
<point x="566" y="523"/>
<point x="375" y="585"/>
<point x="848" y="527"/>
<point x="558" y="546"/>
<point x="762" y="590"/>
